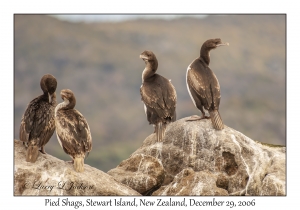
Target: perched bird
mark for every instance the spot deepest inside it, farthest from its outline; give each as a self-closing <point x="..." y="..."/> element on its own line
<point x="203" y="85"/>
<point x="37" y="124"/>
<point x="72" y="130"/>
<point x="158" y="95"/>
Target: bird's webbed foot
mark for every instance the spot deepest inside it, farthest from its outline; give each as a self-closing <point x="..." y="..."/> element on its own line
<point x="42" y="150"/>
<point x="196" y="117"/>
<point x="25" y="144"/>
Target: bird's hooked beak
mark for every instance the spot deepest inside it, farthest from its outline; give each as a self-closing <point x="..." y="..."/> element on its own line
<point x="63" y="96"/>
<point x="143" y="57"/>
<point x="49" y="97"/>
<point x="223" y="44"/>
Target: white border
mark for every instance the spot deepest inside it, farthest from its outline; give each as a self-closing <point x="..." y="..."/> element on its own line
<point x="151" y="6"/>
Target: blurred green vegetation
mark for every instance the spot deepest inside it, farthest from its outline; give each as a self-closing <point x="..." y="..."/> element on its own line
<point x="100" y="63"/>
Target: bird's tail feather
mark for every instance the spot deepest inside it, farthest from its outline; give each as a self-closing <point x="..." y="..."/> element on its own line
<point x="79" y="164"/>
<point x="160" y="131"/>
<point x="32" y="153"/>
<point x="216" y="119"/>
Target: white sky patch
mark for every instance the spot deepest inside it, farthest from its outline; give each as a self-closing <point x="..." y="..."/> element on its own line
<point x="119" y="18"/>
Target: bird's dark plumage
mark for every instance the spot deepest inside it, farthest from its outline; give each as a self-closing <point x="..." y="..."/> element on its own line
<point x="203" y="85"/>
<point x="72" y="130"/>
<point x="158" y="95"/>
<point x="37" y="124"/>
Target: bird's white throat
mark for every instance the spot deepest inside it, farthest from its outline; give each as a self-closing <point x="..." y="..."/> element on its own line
<point x="61" y="105"/>
<point x="49" y="96"/>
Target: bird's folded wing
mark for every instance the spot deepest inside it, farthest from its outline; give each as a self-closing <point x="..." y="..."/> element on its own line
<point x="152" y="96"/>
<point x="199" y="84"/>
<point x="73" y="132"/>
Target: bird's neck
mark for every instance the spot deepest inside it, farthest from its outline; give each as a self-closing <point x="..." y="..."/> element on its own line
<point x="64" y="105"/>
<point x="150" y="69"/>
<point x="205" y="55"/>
<point x="50" y="98"/>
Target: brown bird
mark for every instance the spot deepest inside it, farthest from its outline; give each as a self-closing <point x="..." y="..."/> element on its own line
<point x="158" y="95"/>
<point x="72" y="130"/>
<point x="37" y="124"/>
<point x="203" y="85"/>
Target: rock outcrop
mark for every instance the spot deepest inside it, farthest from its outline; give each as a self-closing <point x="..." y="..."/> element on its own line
<point x="193" y="159"/>
<point x="51" y="176"/>
<point x="188" y="182"/>
<point x="141" y="172"/>
<point x="199" y="160"/>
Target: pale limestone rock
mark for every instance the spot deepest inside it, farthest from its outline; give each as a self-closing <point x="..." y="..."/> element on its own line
<point x="188" y="182"/>
<point x="51" y="176"/>
<point x="238" y="164"/>
<point x="142" y="173"/>
<point x="193" y="159"/>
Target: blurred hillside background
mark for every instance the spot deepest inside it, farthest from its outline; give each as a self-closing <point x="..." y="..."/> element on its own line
<point x="99" y="61"/>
